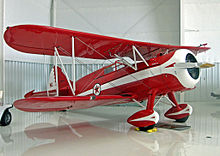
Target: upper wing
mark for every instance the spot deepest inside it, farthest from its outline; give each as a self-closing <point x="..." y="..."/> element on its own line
<point x="37" y="39"/>
<point x="43" y="104"/>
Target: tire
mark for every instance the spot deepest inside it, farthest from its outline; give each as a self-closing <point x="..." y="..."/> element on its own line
<point x="182" y="120"/>
<point x="147" y="128"/>
<point x="6" y="118"/>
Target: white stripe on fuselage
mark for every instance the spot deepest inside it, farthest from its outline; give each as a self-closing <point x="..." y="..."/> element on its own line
<point x="140" y="75"/>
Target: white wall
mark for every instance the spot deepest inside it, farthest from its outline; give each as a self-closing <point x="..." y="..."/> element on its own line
<point x="202" y="25"/>
<point x="150" y="21"/>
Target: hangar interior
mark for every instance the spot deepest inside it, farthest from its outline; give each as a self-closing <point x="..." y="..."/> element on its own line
<point x="104" y="130"/>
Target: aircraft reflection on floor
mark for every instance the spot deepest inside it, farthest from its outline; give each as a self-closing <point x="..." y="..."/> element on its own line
<point x="84" y="138"/>
<point x="104" y="130"/>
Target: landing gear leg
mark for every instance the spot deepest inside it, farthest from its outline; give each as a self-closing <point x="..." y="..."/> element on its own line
<point x="179" y="112"/>
<point x="145" y="119"/>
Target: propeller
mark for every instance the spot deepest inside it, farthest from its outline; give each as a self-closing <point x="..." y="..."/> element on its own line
<point x="185" y="65"/>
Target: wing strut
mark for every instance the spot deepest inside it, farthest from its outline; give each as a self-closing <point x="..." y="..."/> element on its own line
<point x="56" y="73"/>
<point x="73" y="65"/>
<point x="56" y="53"/>
<point x="138" y="103"/>
<point x="135" y="50"/>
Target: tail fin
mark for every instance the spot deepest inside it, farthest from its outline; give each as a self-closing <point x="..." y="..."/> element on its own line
<point x="62" y="81"/>
<point x="52" y="85"/>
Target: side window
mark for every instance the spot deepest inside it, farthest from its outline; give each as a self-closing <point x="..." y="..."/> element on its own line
<point x="108" y="70"/>
<point x="113" y="67"/>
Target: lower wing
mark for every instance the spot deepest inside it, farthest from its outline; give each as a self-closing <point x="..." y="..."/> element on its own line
<point x="44" y="104"/>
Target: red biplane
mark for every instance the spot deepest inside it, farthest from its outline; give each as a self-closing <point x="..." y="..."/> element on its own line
<point x="156" y="71"/>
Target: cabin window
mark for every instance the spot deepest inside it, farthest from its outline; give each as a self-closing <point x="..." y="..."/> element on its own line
<point x="108" y="70"/>
<point x="113" y="67"/>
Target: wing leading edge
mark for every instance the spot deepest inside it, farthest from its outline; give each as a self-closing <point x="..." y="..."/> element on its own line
<point x="36" y="39"/>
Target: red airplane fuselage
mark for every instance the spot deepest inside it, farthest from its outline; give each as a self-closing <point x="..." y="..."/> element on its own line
<point x="160" y="75"/>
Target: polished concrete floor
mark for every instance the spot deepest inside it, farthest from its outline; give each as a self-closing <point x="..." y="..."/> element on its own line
<point x="104" y="131"/>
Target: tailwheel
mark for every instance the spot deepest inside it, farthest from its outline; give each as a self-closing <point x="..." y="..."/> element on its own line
<point x="6" y="118"/>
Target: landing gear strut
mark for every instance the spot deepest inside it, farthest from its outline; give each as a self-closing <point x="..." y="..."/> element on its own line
<point x="145" y="119"/>
<point x="179" y="112"/>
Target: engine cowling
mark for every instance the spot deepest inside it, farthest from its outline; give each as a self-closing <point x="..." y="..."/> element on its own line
<point x="188" y="77"/>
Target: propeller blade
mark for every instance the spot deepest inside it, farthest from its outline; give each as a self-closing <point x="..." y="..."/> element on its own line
<point x="206" y="65"/>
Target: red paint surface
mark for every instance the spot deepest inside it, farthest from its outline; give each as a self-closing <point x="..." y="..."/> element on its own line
<point x="177" y="109"/>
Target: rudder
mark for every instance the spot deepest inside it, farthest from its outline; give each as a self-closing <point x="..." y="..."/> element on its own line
<point x="63" y="85"/>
